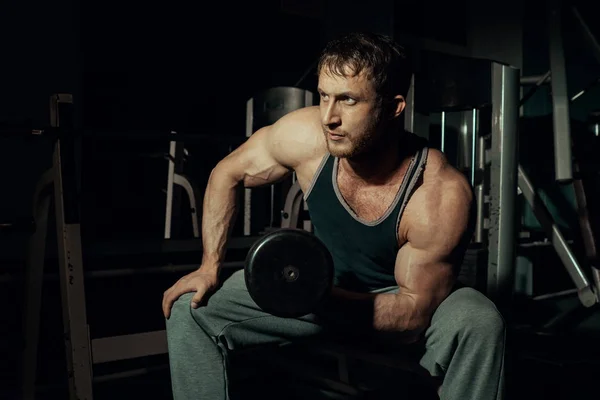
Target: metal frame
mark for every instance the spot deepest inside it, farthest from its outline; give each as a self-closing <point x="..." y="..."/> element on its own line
<point x="76" y="329"/>
<point x="414" y="122"/>
<point x="34" y="274"/>
<point x="409" y="109"/>
<point x="536" y="80"/>
<point x="175" y="177"/>
<point x="556" y="76"/>
<point x="467" y="144"/>
<point x="291" y="209"/>
<point x="76" y="332"/>
<point x="584" y="289"/>
<point x="187" y="185"/>
<point x="503" y="181"/>
<point x="481" y="190"/>
<point x="563" y="162"/>
<point x="175" y="149"/>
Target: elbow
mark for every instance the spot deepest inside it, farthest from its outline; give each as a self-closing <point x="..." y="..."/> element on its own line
<point x="413" y="329"/>
<point x="417" y="322"/>
<point x="223" y="175"/>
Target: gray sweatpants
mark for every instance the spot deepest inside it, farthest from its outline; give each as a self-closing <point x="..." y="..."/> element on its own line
<point x="464" y="344"/>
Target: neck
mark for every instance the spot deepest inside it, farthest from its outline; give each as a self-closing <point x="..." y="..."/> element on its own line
<point x="380" y="163"/>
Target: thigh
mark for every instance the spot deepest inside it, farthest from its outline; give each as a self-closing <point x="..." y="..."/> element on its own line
<point x="232" y="318"/>
<point x="466" y="318"/>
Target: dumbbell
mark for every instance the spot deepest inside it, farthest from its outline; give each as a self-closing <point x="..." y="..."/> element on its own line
<point x="288" y="272"/>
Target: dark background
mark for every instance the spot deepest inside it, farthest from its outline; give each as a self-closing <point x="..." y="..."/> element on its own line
<point x="191" y="67"/>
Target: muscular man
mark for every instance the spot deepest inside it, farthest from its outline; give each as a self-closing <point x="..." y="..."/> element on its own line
<point x="394" y="214"/>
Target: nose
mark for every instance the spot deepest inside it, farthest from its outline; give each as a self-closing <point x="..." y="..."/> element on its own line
<point x="330" y="115"/>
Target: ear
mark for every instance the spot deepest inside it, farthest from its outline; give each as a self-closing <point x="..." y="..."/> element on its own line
<point x="398" y="105"/>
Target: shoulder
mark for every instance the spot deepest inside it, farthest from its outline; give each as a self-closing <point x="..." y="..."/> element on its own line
<point x="305" y="120"/>
<point x="442" y="206"/>
<point x="296" y="138"/>
<point x="444" y="187"/>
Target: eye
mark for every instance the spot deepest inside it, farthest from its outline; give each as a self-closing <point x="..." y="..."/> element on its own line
<point x="349" y="100"/>
<point x="324" y="97"/>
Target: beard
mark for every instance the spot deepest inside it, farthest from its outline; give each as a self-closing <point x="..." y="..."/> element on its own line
<point x="360" y="143"/>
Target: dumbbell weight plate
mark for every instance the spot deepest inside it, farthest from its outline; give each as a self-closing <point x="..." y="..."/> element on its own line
<point x="288" y="272"/>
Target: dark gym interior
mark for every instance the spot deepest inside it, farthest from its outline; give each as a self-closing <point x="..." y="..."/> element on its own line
<point x="139" y="68"/>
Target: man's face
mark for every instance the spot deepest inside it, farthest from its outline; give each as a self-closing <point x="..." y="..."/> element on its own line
<point x="350" y="115"/>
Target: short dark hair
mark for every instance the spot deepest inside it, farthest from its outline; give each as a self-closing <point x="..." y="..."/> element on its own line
<point x="383" y="60"/>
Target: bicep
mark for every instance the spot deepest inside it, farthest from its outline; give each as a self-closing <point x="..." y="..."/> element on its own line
<point x="426" y="265"/>
<point x="425" y="275"/>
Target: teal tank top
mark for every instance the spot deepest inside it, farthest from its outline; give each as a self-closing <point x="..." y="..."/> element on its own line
<point x="364" y="252"/>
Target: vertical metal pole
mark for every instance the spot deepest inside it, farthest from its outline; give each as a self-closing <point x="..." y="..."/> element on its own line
<point x="560" y="100"/>
<point x="413" y="121"/>
<point x="467" y="145"/>
<point x="34" y="274"/>
<point x="503" y="181"/>
<point x="170" y="188"/>
<point x="185" y="184"/>
<point x="443" y="144"/>
<point x="463" y="159"/>
<point x="480" y="191"/>
<point x="474" y="133"/>
<point x="66" y="201"/>
<point x="409" y="108"/>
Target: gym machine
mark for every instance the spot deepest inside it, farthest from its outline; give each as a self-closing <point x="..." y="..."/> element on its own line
<point x="586" y="278"/>
<point x="569" y="173"/>
<point x="62" y="176"/>
<point x="176" y="180"/>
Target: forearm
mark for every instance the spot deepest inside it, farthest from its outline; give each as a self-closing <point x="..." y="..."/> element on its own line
<point x="390" y="313"/>
<point x="219" y="211"/>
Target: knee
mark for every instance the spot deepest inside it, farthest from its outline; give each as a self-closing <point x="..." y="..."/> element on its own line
<point x="476" y="317"/>
<point x="180" y="314"/>
<point x="486" y="323"/>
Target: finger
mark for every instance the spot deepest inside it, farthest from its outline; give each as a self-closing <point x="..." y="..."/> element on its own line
<point x="164" y="302"/>
<point x="171" y="298"/>
<point x="198" y="297"/>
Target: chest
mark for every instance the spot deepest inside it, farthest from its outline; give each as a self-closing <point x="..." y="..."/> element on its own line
<point x="371" y="203"/>
<point x="368" y="202"/>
